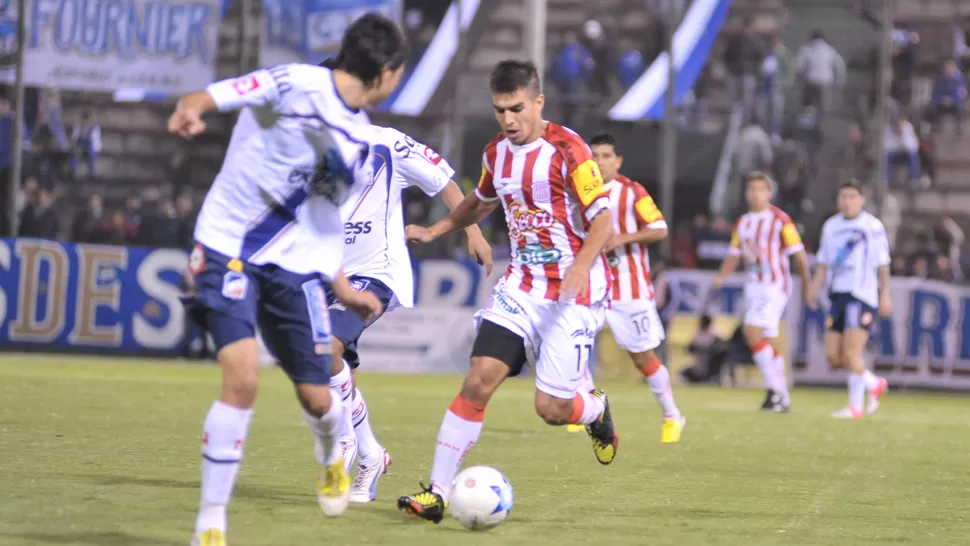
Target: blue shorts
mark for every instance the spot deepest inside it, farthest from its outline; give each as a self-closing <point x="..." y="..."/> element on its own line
<point x="234" y="298"/>
<point x="848" y="312"/>
<point x="347" y="325"/>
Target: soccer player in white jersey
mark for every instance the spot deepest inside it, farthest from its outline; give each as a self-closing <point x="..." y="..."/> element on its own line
<point x="376" y="260"/>
<point x="854" y="258"/>
<point x="551" y="303"/>
<point x="765" y="239"/>
<point x="633" y="317"/>
<point x="269" y="233"/>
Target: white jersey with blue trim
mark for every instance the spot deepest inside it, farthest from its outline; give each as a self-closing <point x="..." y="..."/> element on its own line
<point x="374" y="217"/>
<point x="261" y="208"/>
<point x="853" y="249"/>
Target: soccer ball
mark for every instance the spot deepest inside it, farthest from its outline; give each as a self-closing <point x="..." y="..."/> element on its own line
<point x="480" y="498"/>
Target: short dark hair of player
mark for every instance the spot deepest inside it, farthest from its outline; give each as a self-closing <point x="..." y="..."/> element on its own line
<point x="762" y="176"/>
<point x="852" y="184"/>
<point x="604" y="139"/>
<point x="510" y="76"/>
<point x="370" y="44"/>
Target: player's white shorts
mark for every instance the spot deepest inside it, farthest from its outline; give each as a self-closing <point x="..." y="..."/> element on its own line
<point x="635" y="325"/>
<point x="559" y="337"/>
<point x="764" y="305"/>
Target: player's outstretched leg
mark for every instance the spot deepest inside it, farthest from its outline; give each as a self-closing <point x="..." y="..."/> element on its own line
<point x="223" y="438"/>
<point x="342" y="383"/>
<point x="659" y="380"/>
<point x="325" y="413"/>
<point x="374" y="459"/>
<point x="586" y="385"/>
<point x="460" y="429"/>
<point x="591" y="409"/>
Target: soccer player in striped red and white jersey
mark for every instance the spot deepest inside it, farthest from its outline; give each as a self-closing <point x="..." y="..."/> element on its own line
<point x="766" y="239"/>
<point x="633" y="317"/>
<point x="551" y="304"/>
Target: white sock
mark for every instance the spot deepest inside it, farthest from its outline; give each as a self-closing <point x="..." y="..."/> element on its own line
<point x="223" y="437"/>
<point x="781" y="378"/>
<point x="765" y="359"/>
<point x="327" y="430"/>
<point x="367" y="444"/>
<point x="459" y="431"/>
<point x="659" y="382"/>
<point x="586" y="408"/>
<point x="857" y="392"/>
<point x="872" y="381"/>
<point x="343" y="385"/>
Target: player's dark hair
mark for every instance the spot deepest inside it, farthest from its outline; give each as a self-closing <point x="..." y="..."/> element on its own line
<point x="603" y="139"/>
<point x="370" y="44"/>
<point x="852" y="184"/>
<point x="510" y="76"/>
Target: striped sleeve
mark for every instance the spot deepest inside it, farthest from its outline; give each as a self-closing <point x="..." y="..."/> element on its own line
<point x="486" y="186"/>
<point x="735" y="248"/>
<point x="645" y="209"/>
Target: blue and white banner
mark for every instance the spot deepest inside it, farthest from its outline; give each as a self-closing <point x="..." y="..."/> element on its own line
<point x="421" y="81"/>
<point x="109" y="298"/>
<point x="692" y="43"/>
<point x="157" y="46"/>
<point x="311" y="30"/>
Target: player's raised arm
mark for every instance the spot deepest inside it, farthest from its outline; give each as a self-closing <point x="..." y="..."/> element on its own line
<point x="731" y="262"/>
<point x="472" y="209"/>
<point x="254" y="89"/>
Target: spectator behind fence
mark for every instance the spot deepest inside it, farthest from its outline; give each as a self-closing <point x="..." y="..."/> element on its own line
<point x="185" y="208"/>
<point x="87" y="221"/>
<point x="949" y="96"/>
<point x="631" y="64"/>
<point x="598" y="43"/>
<point x="743" y="57"/>
<point x="571" y="69"/>
<point x="902" y="145"/>
<point x="40" y="219"/>
<point x="161" y="227"/>
<point x="950" y="238"/>
<point x="86" y="143"/>
<point x="821" y="69"/>
<point x="777" y="77"/>
<point x="117" y="229"/>
<point x="961" y="52"/>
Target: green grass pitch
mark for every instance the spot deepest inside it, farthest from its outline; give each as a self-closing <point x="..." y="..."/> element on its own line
<point x="106" y="452"/>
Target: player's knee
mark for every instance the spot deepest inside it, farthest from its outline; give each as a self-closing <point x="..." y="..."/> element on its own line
<point x="315" y="399"/>
<point x="554" y="411"/>
<point x="647" y="362"/>
<point x="240" y="372"/>
<point x="753" y="336"/>
<point x="484" y="377"/>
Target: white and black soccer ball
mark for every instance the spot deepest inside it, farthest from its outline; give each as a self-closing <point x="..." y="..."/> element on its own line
<point x="480" y="498"/>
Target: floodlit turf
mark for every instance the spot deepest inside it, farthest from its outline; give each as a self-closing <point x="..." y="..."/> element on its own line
<point x="107" y="452"/>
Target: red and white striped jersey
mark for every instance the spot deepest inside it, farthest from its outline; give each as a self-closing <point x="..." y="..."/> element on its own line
<point x="765" y="240"/>
<point x="633" y="210"/>
<point x="550" y="189"/>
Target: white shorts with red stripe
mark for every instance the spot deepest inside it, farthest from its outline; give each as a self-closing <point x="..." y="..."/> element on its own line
<point x="558" y="336"/>
<point x="635" y="325"/>
<point x="764" y="306"/>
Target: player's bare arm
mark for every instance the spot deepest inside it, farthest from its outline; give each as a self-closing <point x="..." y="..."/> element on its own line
<point x="471" y="210"/>
<point x="364" y="302"/>
<point x="478" y="247"/>
<point x="728" y="266"/>
<point x="645" y="236"/>
<point x="576" y="278"/>
<point x="885" y="299"/>
<point x="186" y="121"/>
<point x="821" y="274"/>
<point x="809" y="291"/>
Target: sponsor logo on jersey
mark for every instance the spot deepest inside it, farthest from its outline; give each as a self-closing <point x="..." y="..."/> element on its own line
<point x="524" y="220"/>
<point x="541" y="192"/>
<point x="353" y="229"/>
<point x="245" y="85"/>
<point x="535" y="254"/>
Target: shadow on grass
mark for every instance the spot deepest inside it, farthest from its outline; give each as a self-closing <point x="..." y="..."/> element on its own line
<point x="114" y="538"/>
<point x="241" y="490"/>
